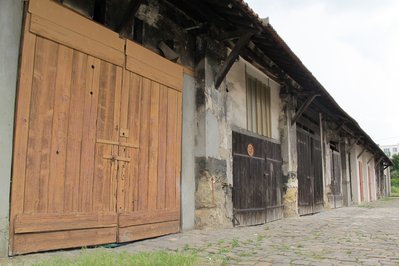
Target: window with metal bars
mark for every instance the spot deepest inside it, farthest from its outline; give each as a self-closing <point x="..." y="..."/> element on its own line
<point x="258" y="107"/>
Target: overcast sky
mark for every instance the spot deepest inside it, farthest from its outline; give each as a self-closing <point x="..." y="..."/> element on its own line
<point x="352" y="48"/>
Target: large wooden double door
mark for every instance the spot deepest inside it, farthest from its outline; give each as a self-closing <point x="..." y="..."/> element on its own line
<point x="257" y="179"/>
<point x="310" y="175"/>
<point x="335" y="197"/>
<point x="98" y="136"/>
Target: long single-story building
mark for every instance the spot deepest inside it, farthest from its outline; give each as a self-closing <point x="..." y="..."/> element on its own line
<point x="130" y="119"/>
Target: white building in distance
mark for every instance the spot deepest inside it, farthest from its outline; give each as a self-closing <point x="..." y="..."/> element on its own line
<point x="390" y="150"/>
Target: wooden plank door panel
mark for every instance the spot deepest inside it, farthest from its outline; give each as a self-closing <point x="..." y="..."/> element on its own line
<point x="72" y="102"/>
<point x="149" y="188"/>
<point x="256" y="180"/>
<point x="93" y="140"/>
<point x="310" y="177"/>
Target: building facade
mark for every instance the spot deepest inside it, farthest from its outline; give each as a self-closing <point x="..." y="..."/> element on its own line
<point x="390" y="150"/>
<point x="144" y="118"/>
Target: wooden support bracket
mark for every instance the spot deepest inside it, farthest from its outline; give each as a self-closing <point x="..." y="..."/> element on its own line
<point x="303" y="108"/>
<point x="129" y="14"/>
<point x="353" y="145"/>
<point x="241" y="43"/>
<point x="372" y="157"/>
<point x="379" y="160"/>
<point x="361" y="153"/>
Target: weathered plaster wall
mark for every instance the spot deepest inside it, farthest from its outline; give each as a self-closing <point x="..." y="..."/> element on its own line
<point x="355" y="174"/>
<point x="188" y="158"/>
<point x="345" y="173"/>
<point x="213" y="200"/>
<point x="356" y="184"/>
<point x="10" y="32"/>
<point x="369" y="183"/>
<point x="289" y="156"/>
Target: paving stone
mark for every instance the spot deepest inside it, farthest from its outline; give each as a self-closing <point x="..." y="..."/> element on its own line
<point x="346" y="236"/>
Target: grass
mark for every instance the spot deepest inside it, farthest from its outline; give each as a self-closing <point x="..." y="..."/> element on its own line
<point x="105" y="258"/>
<point x="395" y="187"/>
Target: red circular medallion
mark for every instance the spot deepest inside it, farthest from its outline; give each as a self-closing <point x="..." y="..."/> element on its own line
<point x="250" y="149"/>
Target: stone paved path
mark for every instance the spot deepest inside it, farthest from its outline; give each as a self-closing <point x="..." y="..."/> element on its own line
<point x="366" y="235"/>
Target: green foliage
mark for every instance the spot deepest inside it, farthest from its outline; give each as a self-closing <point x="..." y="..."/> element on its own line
<point x="394" y="182"/>
<point x="395" y="160"/>
<point x="105" y="258"/>
<point x="395" y="175"/>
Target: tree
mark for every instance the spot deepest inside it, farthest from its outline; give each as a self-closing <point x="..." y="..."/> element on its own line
<point x="395" y="160"/>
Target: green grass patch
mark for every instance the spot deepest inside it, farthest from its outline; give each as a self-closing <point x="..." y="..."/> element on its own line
<point x="105" y="258"/>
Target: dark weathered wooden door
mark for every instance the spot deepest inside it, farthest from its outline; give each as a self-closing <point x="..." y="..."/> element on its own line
<point x="97" y="136"/>
<point x="256" y="180"/>
<point x="310" y="182"/>
<point x="335" y="196"/>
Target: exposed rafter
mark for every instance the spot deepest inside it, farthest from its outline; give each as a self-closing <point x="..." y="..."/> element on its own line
<point x="241" y="43"/>
<point x="303" y="108"/>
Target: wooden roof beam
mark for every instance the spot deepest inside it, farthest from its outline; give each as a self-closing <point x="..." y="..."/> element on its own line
<point x="228" y="63"/>
<point x="303" y="108"/>
<point x="233" y="35"/>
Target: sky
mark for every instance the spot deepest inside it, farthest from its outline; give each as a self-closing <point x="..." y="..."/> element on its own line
<point x="352" y="48"/>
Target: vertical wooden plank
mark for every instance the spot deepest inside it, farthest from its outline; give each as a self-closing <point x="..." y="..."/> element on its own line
<point x="134" y="109"/>
<point x="22" y="124"/>
<point x="268" y="112"/>
<point x="144" y="142"/>
<point x="105" y="130"/>
<point x="125" y="99"/>
<point x="124" y="186"/>
<point x="259" y="102"/>
<point x="89" y="136"/>
<point x="115" y="150"/>
<point x="75" y="125"/>
<point x="253" y="105"/>
<point x="171" y="150"/>
<point x="60" y="130"/>
<point x="22" y="119"/>
<point x="262" y="111"/>
<point x="178" y="147"/>
<point x="249" y="104"/>
<point x="163" y="116"/>
<point x="38" y="154"/>
<point x="153" y="147"/>
<point x="132" y="92"/>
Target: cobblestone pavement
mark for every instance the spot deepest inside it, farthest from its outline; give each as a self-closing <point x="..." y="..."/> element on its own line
<point x="365" y="235"/>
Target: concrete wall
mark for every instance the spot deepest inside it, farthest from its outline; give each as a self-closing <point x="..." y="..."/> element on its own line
<point x="188" y="158"/>
<point x="10" y="31"/>
<point x="355" y="174"/>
